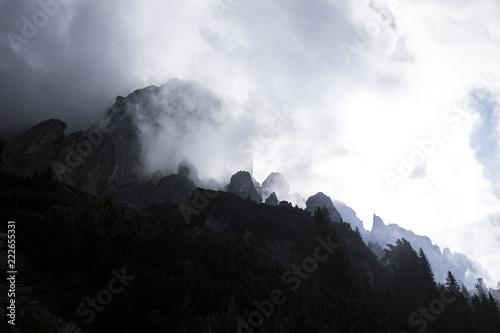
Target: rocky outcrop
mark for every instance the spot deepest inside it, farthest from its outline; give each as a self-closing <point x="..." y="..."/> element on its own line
<point x="156" y="177"/>
<point x="321" y="200"/>
<point x="276" y="183"/>
<point x="272" y="200"/>
<point x="188" y="170"/>
<point x="33" y="151"/>
<point x="175" y="188"/>
<point x="242" y="185"/>
<point x="349" y="215"/>
<point x="112" y="157"/>
<point x="464" y="269"/>
<point x="378" y="223"/>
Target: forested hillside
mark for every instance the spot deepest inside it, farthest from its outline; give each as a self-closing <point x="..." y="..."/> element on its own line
<point x="236" y="266"/>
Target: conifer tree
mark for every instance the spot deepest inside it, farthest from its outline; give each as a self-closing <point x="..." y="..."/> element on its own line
<point x="426" y="270"/>
<point x="481" y="287"/>
<point x="451" y="284"/>
<point x="321" y="221"/>
<point x="493" y="309"/>
<point x="465" y="293"/>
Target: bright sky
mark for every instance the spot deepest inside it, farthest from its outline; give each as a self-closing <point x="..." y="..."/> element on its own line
<point x="390" y="106"/>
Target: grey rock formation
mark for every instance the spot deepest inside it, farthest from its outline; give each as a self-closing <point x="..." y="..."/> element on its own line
<point x="349" y="215"/>
<point x="321" y="200"/>
<point x="187" y="169"/>
<point x="276" y="183"/>
<point x="378" y="223"/>
<point x="257" y="186"/>
<point x="242" y="185"/>
<point x="33" y="151"/>
<point x="111" y="158"/>
<point x="464" y="269"/>
<point x="174" y="189"/>
<point x="272" y="200"/>
<point x="156" y="177"/>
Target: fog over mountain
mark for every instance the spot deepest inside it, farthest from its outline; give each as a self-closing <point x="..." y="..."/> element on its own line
<point x="139" y="154"/>
<point x="391" y="107"/>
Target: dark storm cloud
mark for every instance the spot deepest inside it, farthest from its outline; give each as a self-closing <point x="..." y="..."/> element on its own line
<point x="61" y="59"/>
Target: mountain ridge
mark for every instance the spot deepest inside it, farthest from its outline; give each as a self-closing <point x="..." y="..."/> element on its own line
<point x="110" y="160"/>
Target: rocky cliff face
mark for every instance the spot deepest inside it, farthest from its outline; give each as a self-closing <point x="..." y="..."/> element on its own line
<point x="175" y="188"/>
<point x="321" y="200"/>
<point x="272" y="200"/>
<point x="464" y="269"/>
<point x="113" y="157"/>
<point x="276" y="183"/>
<point x="34" y="151"/>
<point x="242" y="185"/>
<point x="349" y="215"/>
<point x="188" y="170"/>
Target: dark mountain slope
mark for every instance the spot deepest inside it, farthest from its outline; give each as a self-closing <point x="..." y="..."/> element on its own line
<point x="181" y="278"/>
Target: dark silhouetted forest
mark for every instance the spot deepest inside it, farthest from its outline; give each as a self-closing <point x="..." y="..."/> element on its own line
<point x="237" y="266"/>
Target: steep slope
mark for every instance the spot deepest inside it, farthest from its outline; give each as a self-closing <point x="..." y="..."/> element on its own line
<point x="321" y="200"/>
<point x="178" y="278"/>
<point x="243" y="186"/>
<point x="349" y="215"/>
<point x="272" y="200"/>
<point x="125" y="151"/>
<point x="276" y="183"/>
<point x="127" y="156"/>
<point x="465" y="270"/>
<point x="34" y="151"/>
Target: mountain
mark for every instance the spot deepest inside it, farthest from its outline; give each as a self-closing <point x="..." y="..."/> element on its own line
<point x="272" y="200"/>
<point x="119" y="155"/>
<point x="323" y="201"/>
<point x="242" y="185"/>
<point x="126" y="193"/>
<point x="33" y="151"/>
<point x="464" y="269"/>
<point x="187" y="169"/>
<point x="349" y="215"/>
<point x="276" y="183"/>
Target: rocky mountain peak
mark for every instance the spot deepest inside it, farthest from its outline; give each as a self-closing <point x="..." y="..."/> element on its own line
<point x="186" y="164"/>
<point x="276" y="183"/>
<point x="129" y="144"/>
<point x="378" y="223"/>
<point x="242" y="185"/>
<point x="188" y="170"/>
<point x="272" y="200"/>
<point x="322" y="200"/>
<point x="349" y="215"/>
<point x="34" y="150"/>
<point x="55" y="126"/>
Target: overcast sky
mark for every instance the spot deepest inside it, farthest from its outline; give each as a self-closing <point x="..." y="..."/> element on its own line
<point x="392" y="106"/>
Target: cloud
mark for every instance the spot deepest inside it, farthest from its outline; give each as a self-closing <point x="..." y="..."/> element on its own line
<point x="485" y="139"/>
<point x="69" y="66"/>
<point x="351" y="118"/>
